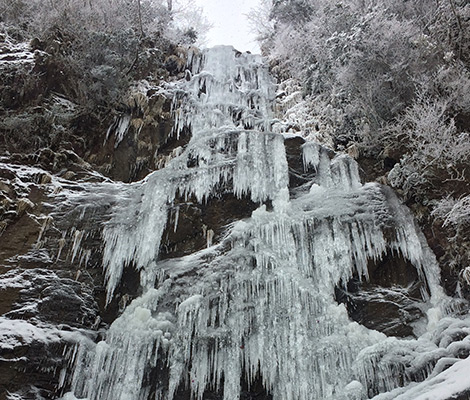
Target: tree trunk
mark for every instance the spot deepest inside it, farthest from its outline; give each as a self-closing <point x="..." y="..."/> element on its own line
<point x="459" y="26"/>
<point x="139" y="13"/>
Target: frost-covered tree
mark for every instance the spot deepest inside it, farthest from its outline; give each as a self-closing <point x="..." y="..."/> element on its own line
<point x="434" y="145"/>
<point x="365" y="57"/>
<point x="101" y="45"/>
<point x="189" y="22"/>
<point x="37" y="16"/>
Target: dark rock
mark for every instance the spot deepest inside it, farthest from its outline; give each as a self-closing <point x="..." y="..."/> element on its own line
<point x="200" y="225"/>
<point x="174" y="64"/>
<point x="297" y="174"/>
<point x="37" y="44"/>
<point x="19" y="237"/>
<point x="390" y="301"/>
<point x="8" y="297"/>
<point x="462" y="396"/>
<point x="392" y="270"/>
<point x="27" y="371"/>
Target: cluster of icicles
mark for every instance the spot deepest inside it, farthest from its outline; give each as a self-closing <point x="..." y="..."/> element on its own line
<point x="261" y="301"/>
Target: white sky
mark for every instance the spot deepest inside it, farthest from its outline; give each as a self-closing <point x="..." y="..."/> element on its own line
<point x="230" y="25"/>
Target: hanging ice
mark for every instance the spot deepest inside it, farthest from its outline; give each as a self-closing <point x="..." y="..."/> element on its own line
<point x="261" y="301"/>
<point x="220" y="100"/>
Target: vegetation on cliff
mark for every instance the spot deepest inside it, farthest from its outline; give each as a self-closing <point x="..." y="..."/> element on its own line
<point x="68" y="66"/>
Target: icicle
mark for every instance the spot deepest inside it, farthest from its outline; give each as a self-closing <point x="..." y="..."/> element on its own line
<point x="209" y="237"/>
<point x="345" y="173"/>
<point x="77" y="239"/>
<point x="119" y="127"/>
<point x="62" y="242"/>
<point x="311" y="155"/>
<point x="46" y="224"/>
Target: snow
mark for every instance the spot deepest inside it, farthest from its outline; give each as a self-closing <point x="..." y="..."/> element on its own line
<point x="191" y="302"/>
<point x="25" y="176"/>
<point x="16" y="54"/>
<point x="446" y="385"/>
<point x="14" y="333"/>
<point x="354" y="391"/>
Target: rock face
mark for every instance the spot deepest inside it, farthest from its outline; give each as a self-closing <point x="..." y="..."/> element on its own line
<point x="234" y="269"/>
<point x="449" y="243"/>
<point x="51" y="282"/>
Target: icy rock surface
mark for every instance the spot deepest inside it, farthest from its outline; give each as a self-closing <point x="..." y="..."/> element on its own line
<point x="261" y="301"/>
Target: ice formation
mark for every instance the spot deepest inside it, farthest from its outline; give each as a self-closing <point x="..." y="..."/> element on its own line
<point x="260" y="302"/>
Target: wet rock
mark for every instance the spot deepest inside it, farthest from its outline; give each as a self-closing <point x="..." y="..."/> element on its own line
<point x="392" y="270"/>
<point x="23" y="206"/>
<point x="391" y="311"/>
<point x="8" y="297"/>
<point x="390" y="301"/>
<point x="19" y="237"/>
<point x="297" y="173"/>
<point x="201" y="225"/>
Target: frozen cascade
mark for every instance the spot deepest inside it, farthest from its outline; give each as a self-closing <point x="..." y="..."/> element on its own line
<point x="261" y="301"/>
<point x="217" y="104"/>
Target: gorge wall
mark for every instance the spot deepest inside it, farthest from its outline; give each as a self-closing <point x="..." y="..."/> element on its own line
<point x="249" y="264"/>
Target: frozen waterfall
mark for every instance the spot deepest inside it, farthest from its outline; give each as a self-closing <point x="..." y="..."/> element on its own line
<point x="259" y="302"/>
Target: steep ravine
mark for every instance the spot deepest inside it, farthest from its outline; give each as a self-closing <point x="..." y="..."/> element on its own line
<point x="235" y="270"/>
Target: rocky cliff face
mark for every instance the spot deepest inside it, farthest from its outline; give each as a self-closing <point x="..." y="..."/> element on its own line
<point x="50" y="147"/>
<point x="200" y="280"/>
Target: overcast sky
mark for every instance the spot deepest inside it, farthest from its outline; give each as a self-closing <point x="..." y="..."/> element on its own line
<point x="230" y="25"/>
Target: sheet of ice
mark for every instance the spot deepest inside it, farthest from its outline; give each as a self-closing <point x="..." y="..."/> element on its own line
<point x="266" y="306"/>
<point x="227" y="88"/>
